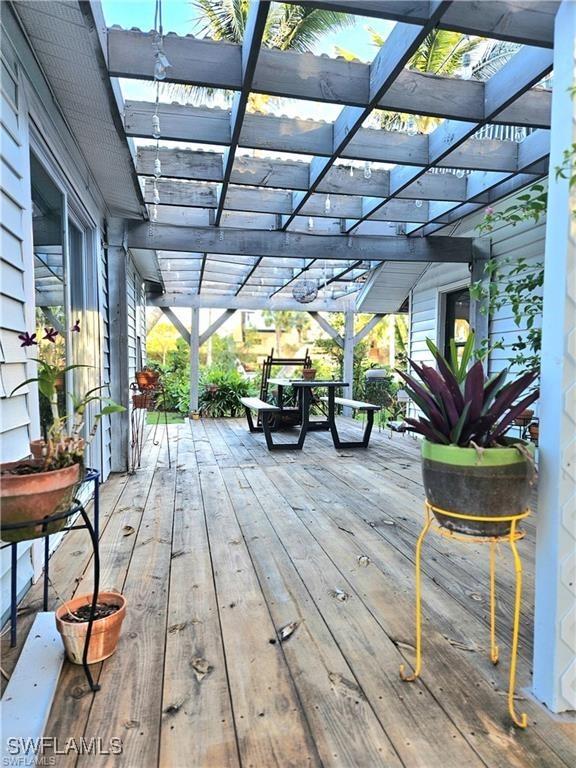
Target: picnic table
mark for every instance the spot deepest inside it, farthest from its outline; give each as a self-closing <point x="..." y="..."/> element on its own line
<point x="304" y="389"/>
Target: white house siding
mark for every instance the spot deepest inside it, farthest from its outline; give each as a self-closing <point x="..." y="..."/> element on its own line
<point x="30" y="117"/>
<point x="16" y="296"/>
<point x="425" y="306"/>
<point x="524" y="240"/>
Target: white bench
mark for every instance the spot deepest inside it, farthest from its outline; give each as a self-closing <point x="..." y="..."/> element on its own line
<point x="266" y="412"/>
<point x="358" y="405"/>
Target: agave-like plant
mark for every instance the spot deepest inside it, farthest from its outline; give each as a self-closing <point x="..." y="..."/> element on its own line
<point x="460" y="405"/>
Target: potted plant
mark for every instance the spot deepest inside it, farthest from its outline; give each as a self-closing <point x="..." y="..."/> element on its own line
<point x="309" y="374"/>
<point x="147" y="379"/>
<point x="36" y="488"/>
<point x="72" y="623"/>
<point x="469" y="466"/>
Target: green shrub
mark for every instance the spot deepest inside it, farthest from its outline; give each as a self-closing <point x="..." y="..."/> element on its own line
<point x="220" y="393"/>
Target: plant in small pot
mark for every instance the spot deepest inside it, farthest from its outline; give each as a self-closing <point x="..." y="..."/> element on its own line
<point x="147" y="379"/>
<point x="309" y="374"/>
<point x="72" y="623"/>
<point x="469" y="466"/>
<point x="43" y="486"/>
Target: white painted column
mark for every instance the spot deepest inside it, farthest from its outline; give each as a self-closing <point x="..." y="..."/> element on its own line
<point x="555" y="621"/>
<point x="194" y="358"/>
<point x="349" y="356"/>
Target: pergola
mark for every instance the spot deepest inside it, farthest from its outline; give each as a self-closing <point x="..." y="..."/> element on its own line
<point x="238" y="230"/>
<point x="238" y="227"/>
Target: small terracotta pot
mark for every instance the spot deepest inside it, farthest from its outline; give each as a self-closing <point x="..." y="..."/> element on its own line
<point x="37" y="447"/>
<point x="105" y="632"/>
<point x="195" y="415"/>
<point x="30" y="498"/>
<point x="147" y="380"/>
<point x="309" y="374"/>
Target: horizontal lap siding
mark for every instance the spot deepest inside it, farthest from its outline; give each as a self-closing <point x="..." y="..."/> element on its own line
<point x="526" y="241"/>
<point x="15" y="259"/>
<point x="424" y="306"/>
<point x="105" y="424"/>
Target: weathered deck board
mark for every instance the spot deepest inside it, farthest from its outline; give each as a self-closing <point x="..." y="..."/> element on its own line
<point x="232" y="543"/>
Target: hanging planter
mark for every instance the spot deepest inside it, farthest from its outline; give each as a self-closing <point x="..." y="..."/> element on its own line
<point x="469" y="467"/>
<point x="29" y="495"/>
<point x="142" y="400"/>
<point x="72" y="624"/>
<point x="147" y="379"/>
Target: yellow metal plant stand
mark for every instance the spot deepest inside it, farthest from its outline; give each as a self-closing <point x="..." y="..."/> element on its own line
<point x="521" y="720"/>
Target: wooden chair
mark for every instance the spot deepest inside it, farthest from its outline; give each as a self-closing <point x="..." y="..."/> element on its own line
<point x="289" y="416"/>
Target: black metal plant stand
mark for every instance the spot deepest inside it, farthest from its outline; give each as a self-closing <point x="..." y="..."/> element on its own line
<point x="91" y="475"/>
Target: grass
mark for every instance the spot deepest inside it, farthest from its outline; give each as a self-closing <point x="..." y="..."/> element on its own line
<point x="173" y="418"/>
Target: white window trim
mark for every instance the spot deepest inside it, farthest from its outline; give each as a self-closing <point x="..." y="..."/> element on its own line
<point x="441" y="308"/>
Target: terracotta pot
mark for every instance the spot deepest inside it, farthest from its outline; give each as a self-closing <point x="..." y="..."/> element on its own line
<point x="147" y="379"/>
<point x="534" y="431"/>
<point x="30" y="498"/>
<point x="142" y="400"/>
<point x="309" y="374"/>
<point x="105" y="632"/>
<point x="524" y="418"/>
<point x="37" y="447"/>
<point x="195" y="415"/>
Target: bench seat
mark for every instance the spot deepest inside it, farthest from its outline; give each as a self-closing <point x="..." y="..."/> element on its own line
<point x="358" y="405"/>
<point x="255" y="404"/>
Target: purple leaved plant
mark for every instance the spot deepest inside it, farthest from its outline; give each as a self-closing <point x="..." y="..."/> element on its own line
<point x="461" y="408"/>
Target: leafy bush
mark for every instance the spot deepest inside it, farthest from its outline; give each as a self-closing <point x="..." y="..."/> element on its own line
<point x="462" y="407"/>
<point x="220" y="393"/>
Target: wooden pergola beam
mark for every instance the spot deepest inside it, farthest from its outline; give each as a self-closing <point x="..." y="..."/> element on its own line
<point x="247" y="302"/>
<point x="226" y="315"/>
<point x="370" y="325"/>
<point x="253" y="32"/>
<point x="294" y="244"/>
<point x="513" y="20"/>
<point x="327" y="328"/>
<point x="524" y="69"/>
<point x="288" y="74"/>
<point x="177" y="323"/>
<point x="209" y="125"/>
<point x="400" y="46"/>
<point x="195" y="165"/>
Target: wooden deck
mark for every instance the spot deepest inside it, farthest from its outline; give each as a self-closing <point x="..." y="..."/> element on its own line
<point x="231" y="544"/>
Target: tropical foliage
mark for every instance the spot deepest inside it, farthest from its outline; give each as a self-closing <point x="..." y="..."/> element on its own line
<point x="220" y="393"/>
<point x="460" y="405"/>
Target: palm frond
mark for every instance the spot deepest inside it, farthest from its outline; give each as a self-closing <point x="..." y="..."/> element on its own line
<point x="493" y="59"/>
<point x="299" y="28"/>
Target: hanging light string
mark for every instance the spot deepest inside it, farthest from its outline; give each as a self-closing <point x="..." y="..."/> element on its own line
<point x="161" y="64"/>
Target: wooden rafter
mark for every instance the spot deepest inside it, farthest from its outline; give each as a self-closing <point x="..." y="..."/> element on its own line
<point x="401" y="44"/>
<point x="317" y="78"/>
<point x="296" y="245"/>
<point x="253" y="32"/>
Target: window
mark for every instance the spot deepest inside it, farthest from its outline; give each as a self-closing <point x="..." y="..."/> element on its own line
<point x="456" y="319"/>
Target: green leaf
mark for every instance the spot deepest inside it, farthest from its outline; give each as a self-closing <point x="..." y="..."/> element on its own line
<point x="112" y="408"/>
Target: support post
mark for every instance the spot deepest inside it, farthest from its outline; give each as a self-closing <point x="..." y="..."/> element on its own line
<point x="194" y="358"/>
<point x="555" y="615"/>
<point x="479" y="316"/>
<point x="118" y="324"/>
<point x="349" y="356"/>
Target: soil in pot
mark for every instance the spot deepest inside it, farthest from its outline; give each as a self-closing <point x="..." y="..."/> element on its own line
<point x="495" y="483"/>
<point x="29" y="495"/>
<point x="72" y="623"/>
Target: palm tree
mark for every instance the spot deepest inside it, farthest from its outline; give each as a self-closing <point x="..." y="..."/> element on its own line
<point x="288" y="27"/>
